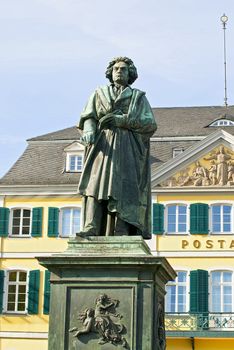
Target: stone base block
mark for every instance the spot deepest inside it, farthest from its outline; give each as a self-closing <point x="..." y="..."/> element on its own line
<point x="107" y="293"/>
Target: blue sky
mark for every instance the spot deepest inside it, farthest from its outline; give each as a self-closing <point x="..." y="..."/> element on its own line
<point x="54" y="53"/>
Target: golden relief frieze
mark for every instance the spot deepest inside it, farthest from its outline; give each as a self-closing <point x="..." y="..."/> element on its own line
<point x="215" y="169"/>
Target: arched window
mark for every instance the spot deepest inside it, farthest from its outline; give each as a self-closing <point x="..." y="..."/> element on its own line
<point x="176" y="215"/>
<point x="221" y="291"/>
<point x="70" y="221"/>
<point x="221" y="218"/>
<point x="223" y="122"/>
<point x="20" y="221"/>
<point x="16" y="291"/>
<point x="177" y="293"/>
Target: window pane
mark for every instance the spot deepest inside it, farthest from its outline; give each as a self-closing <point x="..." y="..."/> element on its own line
<point x="172" y="209"/>
<point x="11" y="297"/>
<point x="226" y="209"/>
<point x="226" y="228"/>
<point x="21" y="307"/>
<point x="216" y="209"/>
<point x="22" y="276"/>
<point x="66" y="220"/>
<point x="22" y="289"/>
<point x="16" y="222"/>
<point x="25" y="231"/>
<point x="181" y="228"/>
<point x="12" y="276"/>
<point x="26" y="222"/>
<point x="182" y="276"/>
<point x="21" y="297"/>
<point x="15" y="230"/>
<point x="182" y="209"/>
<point x="26" y="213"/>
<point x="11" y="288"/>
<point x="227" y="276"/>
<point x="16" y="213"/>
<point x="10" y="306"/>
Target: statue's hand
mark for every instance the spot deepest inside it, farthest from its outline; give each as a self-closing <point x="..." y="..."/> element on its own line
<point x="116" y="120"/>
<point x="88" y="137"/>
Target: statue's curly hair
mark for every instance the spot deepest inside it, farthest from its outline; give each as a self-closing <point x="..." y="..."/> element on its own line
<point x="131" y="67"/>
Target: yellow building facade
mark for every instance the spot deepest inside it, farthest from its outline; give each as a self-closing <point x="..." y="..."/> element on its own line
<point x="192" y="225"/>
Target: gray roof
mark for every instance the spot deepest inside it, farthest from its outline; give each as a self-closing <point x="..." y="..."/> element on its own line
<point x="190" y="121"/>
<point x="173" y="121"/>
<point x="43" y="162"/>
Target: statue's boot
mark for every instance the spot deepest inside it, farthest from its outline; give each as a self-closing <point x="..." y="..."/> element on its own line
<point x="86" y="234"/>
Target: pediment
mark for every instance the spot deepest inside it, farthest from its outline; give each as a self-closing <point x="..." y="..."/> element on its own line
<point x="208" y="163"/>
<point x="74" y="147"/>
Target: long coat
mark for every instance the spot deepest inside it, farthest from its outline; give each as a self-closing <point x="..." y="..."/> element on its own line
<point x="117" y="167"/>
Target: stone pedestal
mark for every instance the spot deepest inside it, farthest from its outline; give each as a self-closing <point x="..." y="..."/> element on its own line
<point x="111" y="289"/>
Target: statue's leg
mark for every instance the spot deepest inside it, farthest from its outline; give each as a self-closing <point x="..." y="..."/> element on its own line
<point x="93" y="217"/>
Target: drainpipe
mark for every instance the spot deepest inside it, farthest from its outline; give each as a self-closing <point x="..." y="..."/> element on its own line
<point x="192" y="343"/>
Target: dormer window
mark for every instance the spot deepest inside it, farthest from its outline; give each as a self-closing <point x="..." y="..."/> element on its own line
<point x="223" y="122"/>
<point x="76" y="162"/>
<point x="74" y="157"/>
<point x="176" y="151"/>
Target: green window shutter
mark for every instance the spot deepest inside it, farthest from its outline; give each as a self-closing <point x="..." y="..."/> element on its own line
<point x="4" y="222"/>
<point x="158" y="219"/>
<point x="53" y="222"/>
<point x="1" y="289"/>
<point x="46" y="306"/>
<point x="37" y="222"/>
<point x="199" y="218"/>
<point x="33" y="292"/>
<point x="199" y="291"/>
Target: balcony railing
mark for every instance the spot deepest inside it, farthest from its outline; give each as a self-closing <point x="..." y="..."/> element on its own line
<point x="198" y="322"/>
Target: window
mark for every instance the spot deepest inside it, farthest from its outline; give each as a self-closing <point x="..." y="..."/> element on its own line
<point x="16" y="291"/>
<point x="223" y="122"/>
<point x="176" y="297"/>
<point x="75" y="162"/>
<point x="221" y="218"/>
<point x="176" y="218"/>
<point x="221" y="291"/>
<point x="177" y="151"/>
<point x="70" y="221"/>
<point x="21" y="222"/>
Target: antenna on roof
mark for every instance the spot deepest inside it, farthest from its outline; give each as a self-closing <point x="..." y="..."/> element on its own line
<point x="224" y="20"/>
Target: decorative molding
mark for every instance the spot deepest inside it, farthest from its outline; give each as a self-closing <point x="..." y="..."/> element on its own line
<point x="23" y="255"/>
<point x="191" y="155"/>
<point x="24" y="335"/>
<point x="194" y="254"/>
<point x="216" y="169"/>
<point x="32" y="190"/>
<point x="177" y="138"/>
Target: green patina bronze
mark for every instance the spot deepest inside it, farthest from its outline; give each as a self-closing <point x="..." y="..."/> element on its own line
<point x="117" y="124"/>
<point x="107" y="293"/>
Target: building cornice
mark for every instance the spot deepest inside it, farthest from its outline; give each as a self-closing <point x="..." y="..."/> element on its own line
<point x="43" y="190"/>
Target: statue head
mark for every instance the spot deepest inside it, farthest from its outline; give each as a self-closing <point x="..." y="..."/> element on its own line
<point x="121" y="70"/>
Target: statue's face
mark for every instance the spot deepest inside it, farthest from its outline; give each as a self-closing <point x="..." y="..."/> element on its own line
<point x="120" y="73"/>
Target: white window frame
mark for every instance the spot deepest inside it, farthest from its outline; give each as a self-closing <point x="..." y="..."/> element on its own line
<point x="68" y="160"/>
<point x="177" y="151"/>
<point x="177" y="284"/>
<point x="61" y="219"/>
<point x="20" y="235"/>
<point x="177" y="216"/>
<point x="223" y="122"/>
<point x="221" y="204"/>
<point x="6" y="288"/>
<point x="222" y="284"/>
